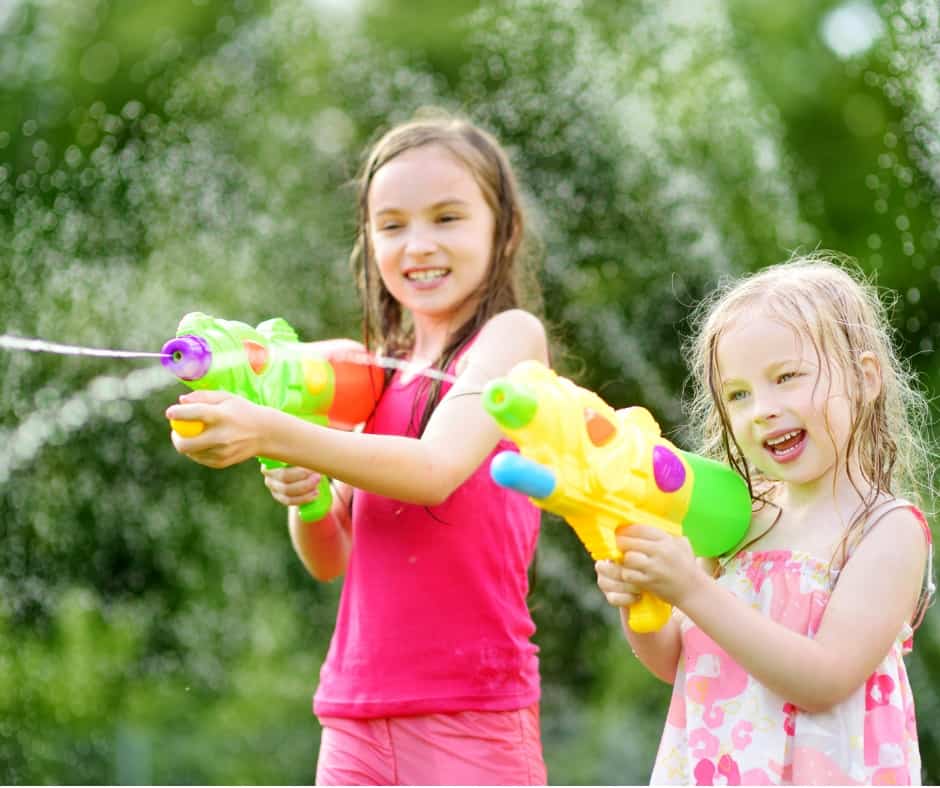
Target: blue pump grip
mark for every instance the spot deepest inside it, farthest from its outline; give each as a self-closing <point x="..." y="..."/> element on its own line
<point x="523" y="475"/>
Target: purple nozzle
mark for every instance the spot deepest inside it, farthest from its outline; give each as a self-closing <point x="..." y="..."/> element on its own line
<point x="188" y="357"/>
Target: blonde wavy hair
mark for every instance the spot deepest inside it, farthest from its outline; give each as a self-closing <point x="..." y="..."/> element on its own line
<point x="824" y="297"/>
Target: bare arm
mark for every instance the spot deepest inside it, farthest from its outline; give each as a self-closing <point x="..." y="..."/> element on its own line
<point x="324" y="545"/>
<point x="424" y="471"/>
<point x="658" y="651"/>
<point x="875" y="595"/>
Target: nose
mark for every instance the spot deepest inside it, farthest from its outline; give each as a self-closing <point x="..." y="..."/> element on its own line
<point x="419" y="242"/>
<point x="765" y="406"/>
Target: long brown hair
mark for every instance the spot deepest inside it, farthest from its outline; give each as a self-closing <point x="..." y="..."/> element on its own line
<point x="510" y="281"/>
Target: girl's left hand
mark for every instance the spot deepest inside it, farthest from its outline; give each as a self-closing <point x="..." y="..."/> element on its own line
<point x="659" y="562"/>
<point x="231" y="434"/>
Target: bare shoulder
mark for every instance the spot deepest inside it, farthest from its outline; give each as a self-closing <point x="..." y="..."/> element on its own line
<point x="904" y="523"/>
<point x="514" y="335"/>
<point x="515" y="322"/>
<point x="898" y="537"/>
<point x="884" y="574"/>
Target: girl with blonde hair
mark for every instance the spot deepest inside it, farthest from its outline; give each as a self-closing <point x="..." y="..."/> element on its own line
<point x="786" y="655"/>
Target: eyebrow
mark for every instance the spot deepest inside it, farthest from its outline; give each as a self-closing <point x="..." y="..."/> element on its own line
<point x="436" y="206"/>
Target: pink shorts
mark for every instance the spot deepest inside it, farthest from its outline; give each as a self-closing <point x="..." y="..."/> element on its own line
<point x="465" y="748"/>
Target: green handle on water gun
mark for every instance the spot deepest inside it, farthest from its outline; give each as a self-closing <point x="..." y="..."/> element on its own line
<point x="333" y="383"/>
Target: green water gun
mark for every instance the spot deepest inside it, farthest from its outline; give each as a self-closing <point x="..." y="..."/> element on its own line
<point x="329" y="383"/>
<point x="600" y="469"/>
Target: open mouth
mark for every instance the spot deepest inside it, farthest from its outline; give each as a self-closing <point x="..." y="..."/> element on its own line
<point x="787" y="446"/>
<point x="427" y="275"/>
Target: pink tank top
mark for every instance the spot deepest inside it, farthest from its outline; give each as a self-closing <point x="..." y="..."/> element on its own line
<point x="433" y="615"/>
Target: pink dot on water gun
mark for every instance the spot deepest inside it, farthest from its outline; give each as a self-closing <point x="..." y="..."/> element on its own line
<point x="668" y="470"/>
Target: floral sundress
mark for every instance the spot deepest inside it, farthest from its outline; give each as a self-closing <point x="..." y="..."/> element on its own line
<point x="723" y="727"/>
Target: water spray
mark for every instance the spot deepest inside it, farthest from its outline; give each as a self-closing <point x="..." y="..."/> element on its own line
<point x="9" y="342"/>
<point x="335" y="383"/>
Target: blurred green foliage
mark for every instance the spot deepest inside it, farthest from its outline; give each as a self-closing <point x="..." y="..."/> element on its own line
<point x="158" y="158"/>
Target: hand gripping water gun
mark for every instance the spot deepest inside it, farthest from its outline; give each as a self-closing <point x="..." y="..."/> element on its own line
<point x="330" y="383"/>
<point x="600" y="469"/>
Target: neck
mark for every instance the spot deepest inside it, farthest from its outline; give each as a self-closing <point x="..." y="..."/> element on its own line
<point x="432" y="332"/>
<point x="827" y="495"/>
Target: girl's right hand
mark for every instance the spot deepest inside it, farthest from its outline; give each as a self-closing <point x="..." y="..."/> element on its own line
<point x="610" y="581"/>
<point x="291" y="486"/>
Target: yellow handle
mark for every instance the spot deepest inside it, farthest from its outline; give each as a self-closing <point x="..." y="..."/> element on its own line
<point x="649" y="614"/>
<point x="187" y="429"/>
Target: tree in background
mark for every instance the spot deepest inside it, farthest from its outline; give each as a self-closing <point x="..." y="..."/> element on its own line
<point x="162" y="158"/>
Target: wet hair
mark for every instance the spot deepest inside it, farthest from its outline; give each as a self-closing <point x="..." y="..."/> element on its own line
<point x="510" y="281"/>
<point x="826" y="299"/>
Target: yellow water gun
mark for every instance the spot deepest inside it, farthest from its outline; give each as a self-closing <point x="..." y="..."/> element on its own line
<point x="600" y="469"/>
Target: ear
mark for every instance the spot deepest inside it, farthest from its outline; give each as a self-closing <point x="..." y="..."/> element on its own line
<point x="871" y="376"/>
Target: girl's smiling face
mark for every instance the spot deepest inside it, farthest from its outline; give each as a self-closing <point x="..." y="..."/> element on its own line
<point x="431" y="232"/>
<point x="790" y="414"/>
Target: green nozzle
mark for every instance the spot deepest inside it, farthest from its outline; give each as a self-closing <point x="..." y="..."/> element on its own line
<point x="512" y="406"/>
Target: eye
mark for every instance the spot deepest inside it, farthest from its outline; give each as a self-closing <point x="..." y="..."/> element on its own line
<point x="448" y="217"/>
<point x="787" y="376"/>
<point x="736" y="396"/>
<point x="389" y="226"/>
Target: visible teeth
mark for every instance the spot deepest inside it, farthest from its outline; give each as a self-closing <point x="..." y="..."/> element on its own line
<point x="427" y="273"/>
<point x="782" y="438"/>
